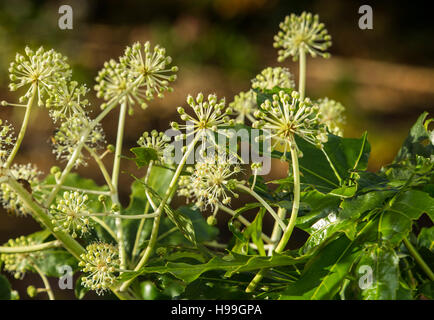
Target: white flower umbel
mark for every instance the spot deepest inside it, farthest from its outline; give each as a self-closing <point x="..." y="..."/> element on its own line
<point x="211" y="183"/>
<point x="302" y="33"/>
<point x="19" y="263"/>
<point x="332" y="115"/>
<point x="152" y="65"/>
<point x="67" y="100"/>
<point x="159" y="142"/>
<point x="101" y="262"/>
<point x="273" y="77"/>
<point x="28" y="174"/>
<point x="7" y="140"/>
<point x="43" y="69"/>
<point x="71" y="214"/>
<point x="244" y="105"/>
<point x="69" y="135"/>
<point x="287" y="116"/>
<point x="137" y="77"/>
<point x="208" y="117"/>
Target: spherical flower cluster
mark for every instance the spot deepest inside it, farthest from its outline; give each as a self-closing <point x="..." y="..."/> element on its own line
<point x="101" y="261"/>
<point x="19" y="263"/>
<point x="208" y="116"/>
<point x="157" y="141"/>
<point x="43" y="70"/>
<point x="273" y="77"/>
<point x="137" y="77"/>
<point x="287" y="116"/>
<point x="7" y="140"/>
<point x="10" y="200"/>
<point x="67" y="99"/>
<point x="303" y="32"/>
<point x="71" y="214"/>
<point x="332" y="115"/>
<point x="211" y="182"/>
<point x="69" y="135"/>
<point x="244" y="105"/>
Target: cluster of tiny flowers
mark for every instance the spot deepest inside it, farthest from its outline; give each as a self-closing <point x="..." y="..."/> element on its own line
<point x="19" y="263"/>
<point x="244" y="105"/>
<point x="211" y="182"/>
<point x="9" y="198"/>
<point x="159" y="142"/>
<point x="332" y="115"/>
<point x="208" y="116"/>
<point x="67" y="100"/>
<point x="101" y="262"/>
<point x="303" y="32"/>
<point x="137" y="77"/>
<point x="70" y="134"/>
<point x="273" y="77"/>
<point x="7" y="140"/>
<point x="287" y="116"/>
<point x="71" y="214"/>
<point x="44" y="69"/>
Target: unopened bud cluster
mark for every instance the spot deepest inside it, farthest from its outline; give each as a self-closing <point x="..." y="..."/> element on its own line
<point x="211" y="183"/>
<point x="270" y="78"/>
<point x="303" y="32"/>
<point x="101" y="262"/>
<point x="71" y="214"/>
<point x="41" y="70"/>
<point x="209" y="115"/>
<point x="159" y="142"/>
<point x="332" y="115"/>
<point x="140" y="74"/>
<point x="287" y="115"/>
<point x="10" y="200"/>
<point x="70" y="134"/>
<point x="19" y="263"/>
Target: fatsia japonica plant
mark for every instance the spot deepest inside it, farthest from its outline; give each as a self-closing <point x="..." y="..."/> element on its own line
<point x="365" y="241"/>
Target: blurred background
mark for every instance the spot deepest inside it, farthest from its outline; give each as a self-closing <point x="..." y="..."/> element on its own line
<point x="384" y="76"/>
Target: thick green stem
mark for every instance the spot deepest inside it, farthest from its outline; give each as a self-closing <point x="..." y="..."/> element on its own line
<point x="77" y="151"/>
<point x="264" y="203"/>
<point x="277" y="231"/>
<point x="419" y="259"/>
<point x="23" y="129"/>
<point x="32" y="248"/>
<point x="290" y="227"/>
<point x="115" y="182"/>
<point x="69" y="243"/>
<point x="160" y="210"/>
<point x="302" y="74"/>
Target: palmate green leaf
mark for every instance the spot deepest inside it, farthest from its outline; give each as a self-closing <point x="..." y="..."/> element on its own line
<point x="314" y="206"/>
<point x="325" y="272"/>
<point x="143" y="156"/>
<point x="414" y="145"/>
<point x="232" y="263"/>
<point x="5" y="288"/>
<point x="396" y="222"/>
<point x="251" y="233"/>
<point x="355" y="207"/>
<point x="328" y="169"/>
<point x="426" y="238"/>
<point x="384" y="263"/>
